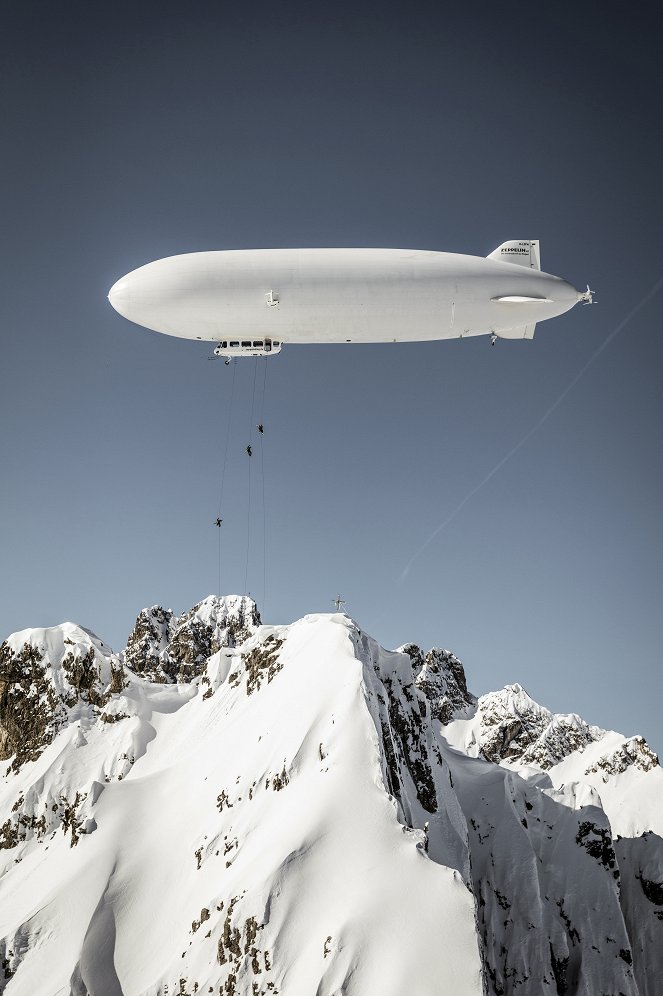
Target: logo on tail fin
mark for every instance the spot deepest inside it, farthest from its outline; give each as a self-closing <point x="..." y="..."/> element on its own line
<point x="523" y="252"/>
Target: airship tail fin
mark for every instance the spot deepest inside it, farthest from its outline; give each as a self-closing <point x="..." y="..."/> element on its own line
<point x="521" y="332"/>
<point x="524" y="252"/>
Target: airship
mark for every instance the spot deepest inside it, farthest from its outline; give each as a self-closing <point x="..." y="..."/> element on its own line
<point x="252" y="302"/>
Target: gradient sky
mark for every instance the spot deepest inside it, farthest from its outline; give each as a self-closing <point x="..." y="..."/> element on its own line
<point x="134" y="131"/>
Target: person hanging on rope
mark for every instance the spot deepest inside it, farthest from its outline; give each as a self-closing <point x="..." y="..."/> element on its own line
<point x="249" y="450"/>
<point x="218" y="522"/>
<point x="260" y="427"/>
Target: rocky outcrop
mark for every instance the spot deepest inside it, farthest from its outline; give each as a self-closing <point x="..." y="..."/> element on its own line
<point x="513" y="727"/>
<point x="214" y="623"/>
<point x="165" y="648"/>
<point x="44" y="675"/>
<point x="31" y="712"/>
<point x="152" y="632"/>
<point x="634" y="752"/>
<point x="441" y="677"/>
<point x="560" y="737"/>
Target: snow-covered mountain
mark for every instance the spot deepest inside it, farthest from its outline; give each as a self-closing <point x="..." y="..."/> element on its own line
<point x="233" y="808"/>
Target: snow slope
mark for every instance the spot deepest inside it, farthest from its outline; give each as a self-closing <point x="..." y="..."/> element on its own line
<point x="236" y="808"/>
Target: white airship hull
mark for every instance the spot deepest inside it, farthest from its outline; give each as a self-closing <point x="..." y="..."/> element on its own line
<point x="338" y="295"/>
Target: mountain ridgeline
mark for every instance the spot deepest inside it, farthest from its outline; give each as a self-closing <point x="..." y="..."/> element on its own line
<point x="249" y="810"/>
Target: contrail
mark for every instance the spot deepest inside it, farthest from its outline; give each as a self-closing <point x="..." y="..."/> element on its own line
<point x="535" y="428"/>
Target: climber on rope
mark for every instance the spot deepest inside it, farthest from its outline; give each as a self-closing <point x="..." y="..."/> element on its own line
<point x="249" y="450"/>
<point x="217" y="522"/>
<point x="260" y="427"/>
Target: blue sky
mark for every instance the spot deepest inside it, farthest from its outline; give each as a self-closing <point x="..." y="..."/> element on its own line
<point x="148" y="130"/>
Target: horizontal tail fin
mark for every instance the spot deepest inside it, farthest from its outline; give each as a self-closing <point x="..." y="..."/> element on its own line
<point x="524" y="252"/>
<point x="521" y="332"/>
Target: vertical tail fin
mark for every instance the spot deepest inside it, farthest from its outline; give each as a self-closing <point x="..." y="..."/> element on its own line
<point x="524" y="252"/>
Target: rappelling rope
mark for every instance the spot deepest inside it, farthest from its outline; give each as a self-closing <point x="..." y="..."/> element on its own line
<point x="223" y="465"/>
<point x="248" y="503"/>
<point x="262" y="476"/>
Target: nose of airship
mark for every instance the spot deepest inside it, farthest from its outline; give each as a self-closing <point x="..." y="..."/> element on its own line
<point x="118" y="295"/>
<point x="152" y="296"/>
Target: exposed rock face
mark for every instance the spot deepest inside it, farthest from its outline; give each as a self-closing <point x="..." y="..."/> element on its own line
<point x="44" y="675"/>
<point x="635" y="751"/>
<point x="214" y="623"/>
<point x="152" y="632"/>
<point x="409" y="749"/>
<point x="164" y="648"/>
<point x="30" y="710"/>
<point x="515" y="727"/>
<point x="562" y="736"/>
<point x="262" y="663"/>
<point x="441" y="677"/>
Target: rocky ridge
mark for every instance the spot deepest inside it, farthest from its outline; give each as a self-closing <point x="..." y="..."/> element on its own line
<point x="166" y="648"/>
<point x="508" y="726"/>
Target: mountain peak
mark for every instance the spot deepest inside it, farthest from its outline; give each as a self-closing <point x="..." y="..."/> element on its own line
<point x="165" y="648"/>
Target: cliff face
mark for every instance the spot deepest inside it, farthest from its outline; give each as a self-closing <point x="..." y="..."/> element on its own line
<point x="245" y="809"/>
<point x="610" y="788"/>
